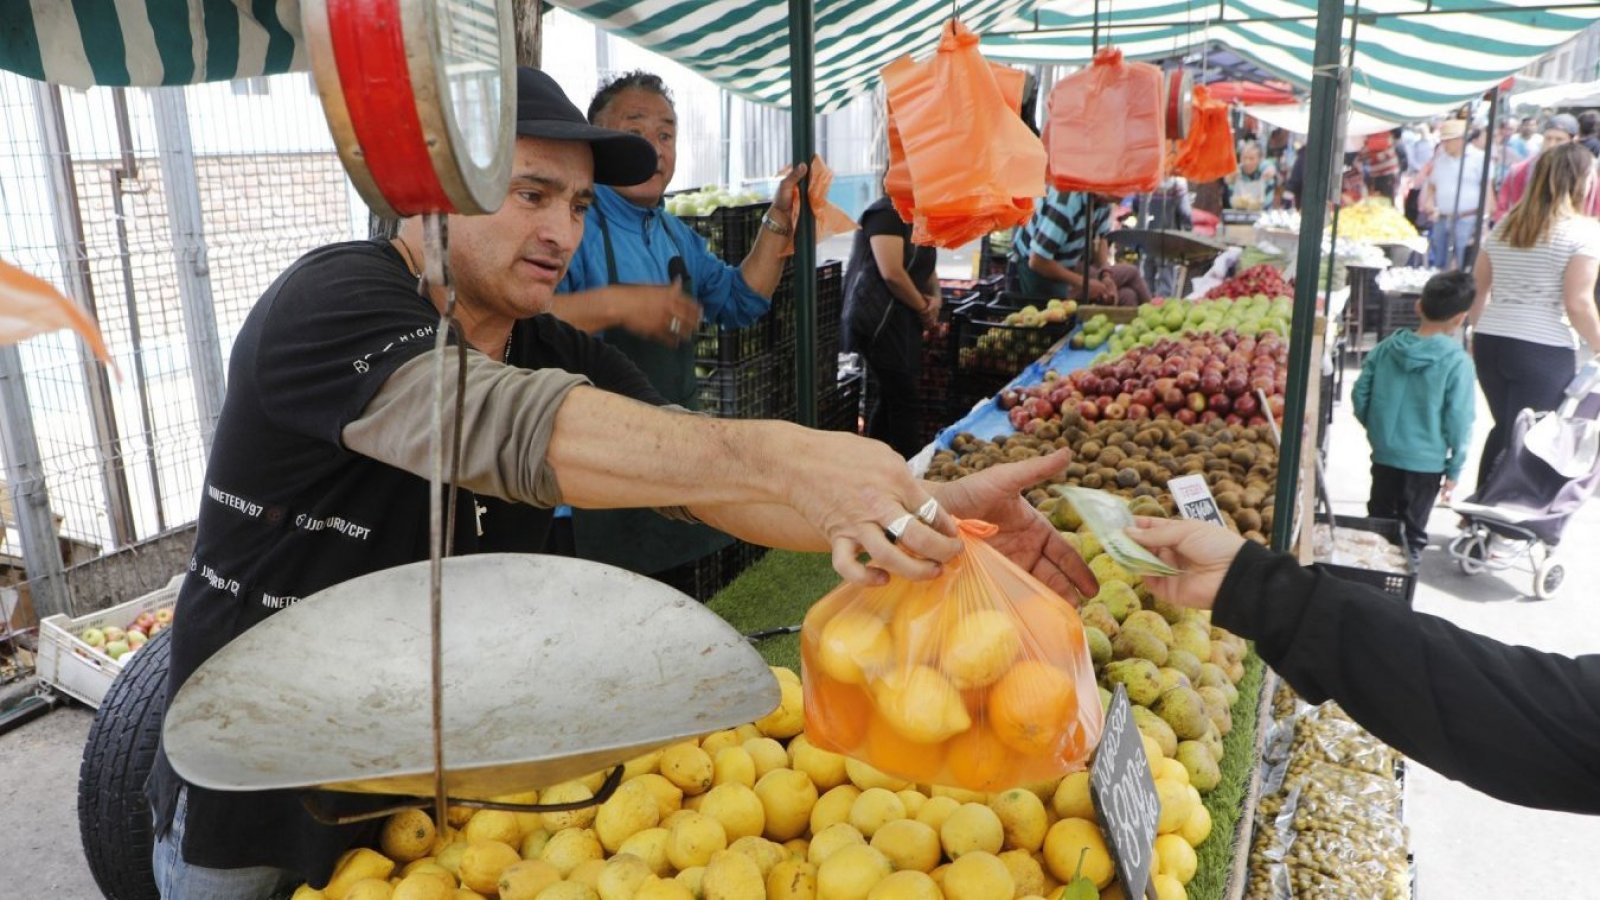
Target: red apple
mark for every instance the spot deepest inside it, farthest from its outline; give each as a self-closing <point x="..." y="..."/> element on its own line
<point x="164" y="616"/>
<point x="1257" y="422"/>
<point x="1246" y="405"/>
<point x="1019" y="417"/>
<point x="1188" y="380"/>
<point x="1129" y="385"/>
<point x="1116" y="411"/>
<point x="1186" y="416"/>
<point x="1209" y="416"/>
<point x="1172" y="398"/>
<point x="1102" y="401"/>
<point x="1220" y="404"/>
<point x="1233" y="420"/>
<point x="1138" y="411"/>
<point x="1009" y="398"/>
<point x="1144" y="397"/>
<point x="1235" y="385"/>
<point x="1089" y="411"/>
<point x="144" y="621"/>
<point x="1211" y="383"/>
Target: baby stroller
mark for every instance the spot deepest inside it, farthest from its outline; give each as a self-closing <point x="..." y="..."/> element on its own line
<point x="1550" y="467"/>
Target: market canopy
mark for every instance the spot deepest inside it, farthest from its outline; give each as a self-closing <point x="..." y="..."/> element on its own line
<point x="1414" y="58"/>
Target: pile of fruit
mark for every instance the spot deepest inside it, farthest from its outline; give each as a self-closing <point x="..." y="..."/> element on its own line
<point x="1250" y="317"/>
<point x="1330" y="819"/>
<point x="1021" y="337"/>
<point x="1263" y="279"/>
<point x="1094" y="333"/>
<point x="118" y="643"/>
<point x="1055" y="312"/>
<point x="759" y="812"/>
<point x="704" y="201"/>
<point x="1375" y="221"/>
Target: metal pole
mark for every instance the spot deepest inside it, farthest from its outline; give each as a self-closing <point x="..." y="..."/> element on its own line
<point x="1314" y="206"/>
<point x="1488" y="169"/>
<point x="30" y="499"/>
<point x="189" y="247"/>
<point x="803" y="103"/>
<point x="72" y="248"/>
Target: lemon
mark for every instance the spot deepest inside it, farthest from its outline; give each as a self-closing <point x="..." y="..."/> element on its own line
<point x="921" y="704"/>
<point x="865" y="776"/>
<point x="1170" y="769"/>
<point x="733" y="765"/>
<point x="431" y="886"/>
<point x="688" y="767"/>
<point x="1177" y="857"/>
<point x="1023" y="817"/>
<point x="850" y="873"/>
<point x="978" y="648"/>
<point x="1197" y="827"/>
<point x="526" y="822"/>
<point x="571" y="847"/>
<point x="1066" y="840"/>
<point x="787" y="798"/>
<point x="717" y="741"/>
<point x="792" y="879"/>
<point x="370" y="889"/>
<point x="307" y="892"/>
<point x="1026" y="872"/>
<point x="973" y="827"/>
<point x="524" y="880"/>
<point x="693" y="878"/>
<point x="568" y="890"/>
<point x="854" y="644"/>
<point x="738" y="808"/>
<point x="934" y="812"/>
<point x="465" y="894"/>
<point x="533" y="843"/>
<point x="789" y="719"/>
<point x="357" y="865"/>
<point x="482" y="864"/>
<point x="676" y="817"/>
<point x="1072" y="800"/>
<point x="669" y="797"/>
<point x="960" y="795"/>
<point x="908" y="844"/>
<point x="833" y="807"/>
<point x="767" y="754"/>
<point x="457" y="816"/>
<point x="630" y="810"/>
<point x="493" y="825"/>
<point x="693" y="839"/>
<point x="906" y="885"/>
<point x="799" y="848"/>
<point x="621" y="877"/>
<point x="824" y="767"/>
<point x="913" y="800"/>
<point x="663" y="889"/>
<point x="830" y="840"/>
<point x="1168" y="888"/>
<point x="747" y="732"/>
<point x="732" y="876"/>
<point x="643" y="764"/>
<point x="875" y="808"/>
<point x="766" y="854"/>
<point x="1176" y="805"/>
<point x="568" y="792"/>
<point x="407" y="835"/>
<point x="449" y="859"/>
<point x="978" y="876"/>
<point x="784" y="674"/>
<point x="650" y="845"/>
<point x="588" y="872"/>
<point x="427" y="866"/>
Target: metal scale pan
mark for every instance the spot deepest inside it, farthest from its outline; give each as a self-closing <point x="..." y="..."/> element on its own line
<point x="554" y="668"/>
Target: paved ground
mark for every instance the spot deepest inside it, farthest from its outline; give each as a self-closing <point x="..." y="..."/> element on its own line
<point x="40" y="855"/>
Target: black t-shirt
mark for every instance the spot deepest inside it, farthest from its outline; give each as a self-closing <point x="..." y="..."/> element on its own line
<point x="286" y="510"/>
<point x="868" y="304"/>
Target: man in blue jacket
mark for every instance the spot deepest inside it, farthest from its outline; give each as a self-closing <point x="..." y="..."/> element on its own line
<point x="643" y="281"/>
<point x="1415" y="397"/>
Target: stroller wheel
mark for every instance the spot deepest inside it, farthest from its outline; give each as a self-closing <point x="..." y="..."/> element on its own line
<point x="1471" y="552"/>
<point x="1547" y="578"/>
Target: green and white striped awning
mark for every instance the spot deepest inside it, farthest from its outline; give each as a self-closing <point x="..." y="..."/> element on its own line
<point x="149" y="42"/>
<point x="1414" y="58"/>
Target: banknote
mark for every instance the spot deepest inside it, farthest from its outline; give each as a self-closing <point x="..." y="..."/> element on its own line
<point x="1107" y="516"/>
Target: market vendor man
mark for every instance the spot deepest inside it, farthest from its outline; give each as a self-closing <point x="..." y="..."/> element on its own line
<point x="1047" y="254"/>
<point x="318" y="470"/>
<point x="642" y="281"/>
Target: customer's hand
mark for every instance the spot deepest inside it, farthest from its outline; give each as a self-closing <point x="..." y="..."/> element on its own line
<point x="930" y="311"/>
<point x="661" y="313"/>
<point x="1202" y="550"/>
<point x="1026" y="537"/>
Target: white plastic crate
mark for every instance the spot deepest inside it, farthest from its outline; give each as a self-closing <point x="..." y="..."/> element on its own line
<point x="69" y="665"/>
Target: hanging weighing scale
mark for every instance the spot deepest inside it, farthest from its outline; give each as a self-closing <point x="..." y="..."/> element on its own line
<point x="456" y="679"/>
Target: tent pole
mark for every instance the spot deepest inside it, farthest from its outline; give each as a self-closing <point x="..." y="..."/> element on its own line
<point x="1488" y="169"/>
<point x="1338" y="205"/>
<point x="1314" y="208"/>
<point x="802" y="104"/>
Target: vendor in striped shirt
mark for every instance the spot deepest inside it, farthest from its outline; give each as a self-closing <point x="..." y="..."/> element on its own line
<point x="1047" y="254"/>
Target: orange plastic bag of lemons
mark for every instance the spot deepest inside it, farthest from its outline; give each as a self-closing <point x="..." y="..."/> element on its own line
<point x="979" y="679"/>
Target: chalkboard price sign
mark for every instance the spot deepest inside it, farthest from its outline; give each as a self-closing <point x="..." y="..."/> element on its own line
<point x="1125" y="797"/>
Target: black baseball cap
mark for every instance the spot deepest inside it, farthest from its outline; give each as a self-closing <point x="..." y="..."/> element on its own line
<point x="543" y="111"/>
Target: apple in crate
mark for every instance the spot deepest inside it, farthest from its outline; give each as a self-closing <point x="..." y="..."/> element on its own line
<point x="94" y="637"/>
<point x="163" y="617"/>
<point x="114" y="634"/>
<point x="117" y="649"/>
<point x="136" y="639"/>
<point x="157" y="628"/>
<point x="144" y="621"/>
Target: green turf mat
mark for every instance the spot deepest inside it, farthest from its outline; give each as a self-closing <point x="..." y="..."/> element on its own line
<point x="1226" y="802"/>
<point x="775" y="592"/>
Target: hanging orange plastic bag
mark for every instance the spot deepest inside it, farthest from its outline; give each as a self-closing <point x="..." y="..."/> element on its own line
<point x="962" y="161"/>
<point x="830" y="219"/>
<point x="31" y="306"/>
<point x="979" y="679"/>
<point x="1107" y="127"/>
<point x="1206" y="154"/>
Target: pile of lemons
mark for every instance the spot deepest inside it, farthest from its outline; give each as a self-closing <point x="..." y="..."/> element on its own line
<point x="759" y="812"/>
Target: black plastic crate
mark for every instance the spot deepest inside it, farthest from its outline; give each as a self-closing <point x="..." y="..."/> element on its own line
<point x="730" y="231"/>
<point x="830" y="313"/>
<point x="700" y="579"/>
<point x="1399" y="311"/>
<point x="986" y="345"/>
<point x="780" y="319"/>
<point x="839" y="406"/>
<point x="1400" y="586"/>
<point x="746" y="390"/>
<point x="727" y="346"/>
<point x="737" y="557"/>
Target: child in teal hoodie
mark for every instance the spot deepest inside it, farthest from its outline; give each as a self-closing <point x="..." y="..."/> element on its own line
<point x="1415" y="397"/>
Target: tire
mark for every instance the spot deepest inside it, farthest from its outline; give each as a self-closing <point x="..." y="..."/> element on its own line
<point x="113" y="815"/>
<point x="1473" y="554"/>
<point x="1548" y="578"/>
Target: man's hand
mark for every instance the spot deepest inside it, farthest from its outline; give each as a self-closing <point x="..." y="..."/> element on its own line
<point x="1202" y="550"/>
<point x="783" y="197"/>
<point x="1446" y="490"/>
<point x="661" y="313"/>
<point x="1100" y="292"/>
<point x="930" y="312"/>
<point x="1026" y="537"/>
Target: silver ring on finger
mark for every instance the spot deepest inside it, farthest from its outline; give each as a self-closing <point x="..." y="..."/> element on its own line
<point x="674" y="326"/>
<point x="928" y="513"/>
<point x="897" y="528"/>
